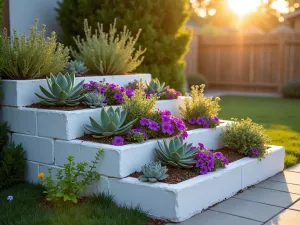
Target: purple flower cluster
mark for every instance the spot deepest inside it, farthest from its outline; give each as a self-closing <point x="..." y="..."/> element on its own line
<point x="135" y="85"/>
<point x="170" y="94"/>
<point x="113" y="92"/>
<point x="166" y="125"/>
<point x="254" y="153"/>
<point x="118" y="141"/>
<point x="208" y="161"/>
<point x="205" y="122"/>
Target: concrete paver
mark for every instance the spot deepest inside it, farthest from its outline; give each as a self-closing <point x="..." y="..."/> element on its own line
<point x="251" y="210"/>
<point x="295" y="168"/>
<point x="216" y="218"/>
<point x="267" y="196"/>
<point x="287" y="217"/>
<point x="279" y="186"/>
<point x="296" y="206"/>
<point x="287" y="177"/>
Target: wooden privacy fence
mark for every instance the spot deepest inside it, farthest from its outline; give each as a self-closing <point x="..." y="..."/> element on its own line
<point x="249" y="63"/>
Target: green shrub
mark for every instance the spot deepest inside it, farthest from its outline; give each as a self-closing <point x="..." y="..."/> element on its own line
<point x="33" y="57"/>
<point x="12" y="165"/>
<point x="108" y="53"/>
<point x="139" y="105"/>
<point x="292" y="88"/>
<point x="244" y="136"/>
<point x="162" y="25"/>
<point x="71" y="180"/>
<point x="3" y="134"/>
<point x="196" y="104"/>
<point x="196" y="79"/>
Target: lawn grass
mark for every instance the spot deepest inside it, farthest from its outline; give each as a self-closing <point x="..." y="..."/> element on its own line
<point x="24" y="209"/>
<point x="280" y="117"/>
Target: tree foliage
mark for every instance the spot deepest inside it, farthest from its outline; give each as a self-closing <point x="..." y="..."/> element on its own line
<point x="162" y="24"/>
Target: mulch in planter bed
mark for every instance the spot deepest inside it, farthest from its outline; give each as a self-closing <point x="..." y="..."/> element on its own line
<point x="104" y="140"/>
<point x="177" y="175"/>
<point x="58" y="107"/>
<point x="156" y="222"/>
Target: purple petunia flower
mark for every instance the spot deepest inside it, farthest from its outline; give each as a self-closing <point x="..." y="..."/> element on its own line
<point x="203" y="170"/>
<point x="145" y="135"/>
<point x="118" y="96"/>
<point x="151" y="92"/>
<point x="85" y="85"/>
<point x="106" y="100"/>
<point x="255" y="151"/>
<point x="201" y="145"/>
<point x="129" y="93"/>
<point x="199" y="163"/>
<point x="165" y="113"/>
<point x="219" y="155"/>
<point x="122" y="89"/>
<point x="153" y="126"/>
<point x="180" y="126"/>
<point x="144" y="121"/>
<point x="112" y="86"/>
<point x="171" y="130"/>
<point x="216" y="119"/>
<point x="205" y="125"/>
<point x="184" y="135"/>
<point x="165" y="119"/>
<point x="210" y="165"/>
<point x="102" y="89"/>
<point x="193" y="120"/>
<point x="10" y="198"/>
<point x="200" y="120"/>
<point x="118" y="141"/>
<point x="165" y="127"/>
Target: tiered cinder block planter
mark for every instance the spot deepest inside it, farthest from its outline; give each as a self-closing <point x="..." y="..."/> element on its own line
<point x="49" y="136"/>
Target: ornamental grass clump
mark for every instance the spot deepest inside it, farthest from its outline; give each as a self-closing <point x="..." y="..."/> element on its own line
<point x="139" y="105"/>
<point x="108" y="53"/>
<point x="71" y="181"/>
<point x="246" y="137"/>
<point x="32" y="57"/>
<point x="200" y="110"/>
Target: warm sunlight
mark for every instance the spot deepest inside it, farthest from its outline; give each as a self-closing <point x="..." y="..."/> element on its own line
<point x="244" y="7"/>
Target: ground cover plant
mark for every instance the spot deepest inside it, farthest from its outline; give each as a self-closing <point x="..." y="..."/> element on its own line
<point x="246" y="137"/>
<point x="32" y="57"/>
<point x="108" y="53"/>
<point x="280" y="118"/>
<point x="26" y="208"/>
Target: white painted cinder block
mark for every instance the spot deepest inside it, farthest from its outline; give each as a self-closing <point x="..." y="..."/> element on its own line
<point x="183" y="200"/>
<point x="20" y="120"/>
<point x="22" y="92"/>
<point x="37" y="149"/>
<point x="121" y="161"/>
<point x="171" y="105"/>
<point x="255" y="170"/>
<point x="31" y="172"/>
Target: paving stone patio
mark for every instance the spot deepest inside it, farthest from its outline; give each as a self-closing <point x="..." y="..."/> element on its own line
<point x="275" y="201"/>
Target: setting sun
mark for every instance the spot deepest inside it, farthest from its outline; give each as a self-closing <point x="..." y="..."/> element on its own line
<point x="244" y="7"/>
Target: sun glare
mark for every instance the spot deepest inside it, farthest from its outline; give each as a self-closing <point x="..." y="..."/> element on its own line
<point x="243" y="7"/>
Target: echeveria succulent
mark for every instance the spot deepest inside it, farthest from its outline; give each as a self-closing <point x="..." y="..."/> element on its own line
<point x="77" y="67"/>
<point x="176" y="153"/>
<point x="94" y="99"/>
<point x="155" y="87"/>
<point x="153" y="172"/>
<point x="62" y="90"/>
<point x="111" y="123"/>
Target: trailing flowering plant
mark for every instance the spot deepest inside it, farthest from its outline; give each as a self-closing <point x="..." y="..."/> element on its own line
<point x="163" y="124"/>
<point x="137" y="135"/>
<point x="114" y="93"/>
<point x="205" y="122"/>
<point x="208" y="161"/>
<point x="169" y="94"/>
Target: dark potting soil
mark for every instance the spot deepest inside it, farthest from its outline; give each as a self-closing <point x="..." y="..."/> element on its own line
<point x="177" y="175"/>
<point x="104" y="140"/>
<point x="58" y="107"/>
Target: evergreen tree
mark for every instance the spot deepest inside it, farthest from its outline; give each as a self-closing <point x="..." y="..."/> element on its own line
<point x="162" y="23"/>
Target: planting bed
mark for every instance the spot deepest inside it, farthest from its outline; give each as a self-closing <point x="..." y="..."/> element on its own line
<point x="49" y="136"/>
